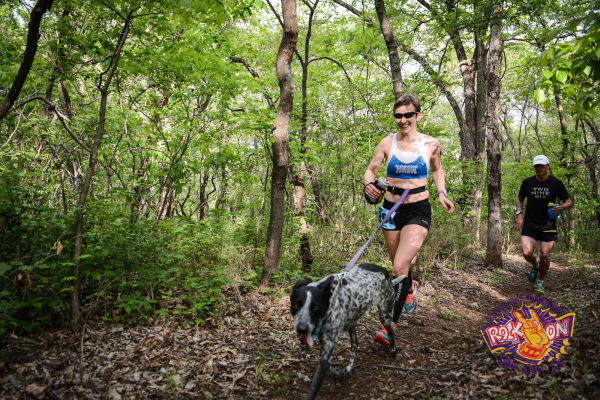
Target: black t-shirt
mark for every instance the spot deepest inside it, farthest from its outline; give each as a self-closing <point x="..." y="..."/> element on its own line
<point x="538" y="195"/>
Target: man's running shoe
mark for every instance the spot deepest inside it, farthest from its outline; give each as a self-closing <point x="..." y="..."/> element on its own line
<point x="539" y="287"/>
<point x="534" y="272"/>
<point x="382" y="337"/>
<point x="410" y="305"/>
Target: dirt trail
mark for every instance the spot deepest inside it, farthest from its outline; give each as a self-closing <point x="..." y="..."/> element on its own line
<point x="252" y="351"/>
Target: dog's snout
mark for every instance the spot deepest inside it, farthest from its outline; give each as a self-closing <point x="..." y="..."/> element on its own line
<point x="302" y="329"/>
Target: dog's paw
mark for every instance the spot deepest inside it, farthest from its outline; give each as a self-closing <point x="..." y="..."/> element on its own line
<point x="393" y="351"/>
<point x="337" y="374"/>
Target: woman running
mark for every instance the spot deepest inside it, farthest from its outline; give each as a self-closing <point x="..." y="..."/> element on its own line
<point x="409" y="156"/>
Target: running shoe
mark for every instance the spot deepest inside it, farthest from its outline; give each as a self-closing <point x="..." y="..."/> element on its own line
<point x="410" y="305"/>
<point x="534" y="272"/>
<point x="382" y="337"/>
<point x="539" y="287"/>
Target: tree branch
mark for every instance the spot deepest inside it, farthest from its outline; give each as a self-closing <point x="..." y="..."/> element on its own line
<point x="33" y="36"/>
<point x="354" y="11"/>
<point x="61" y="118"/>
<point x="334" y="61"/>
<point x="255" y="75"/>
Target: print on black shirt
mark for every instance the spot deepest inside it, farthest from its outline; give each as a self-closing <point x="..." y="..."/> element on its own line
<point x="538" y="195"/>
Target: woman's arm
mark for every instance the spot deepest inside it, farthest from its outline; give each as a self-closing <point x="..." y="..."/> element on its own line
<point x="435" y="163"/>
<point x="374" y="165"/>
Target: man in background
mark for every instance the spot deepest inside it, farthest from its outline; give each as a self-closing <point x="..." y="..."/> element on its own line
<point x="539" y="222"/>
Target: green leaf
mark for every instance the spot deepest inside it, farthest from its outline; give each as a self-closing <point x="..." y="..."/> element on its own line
<point x="561" y="76"/>
<point x="4" y="267"/>
<point x="96" y="275"/>
<point x="548" y="74"/>
<point x="539" y="96"/>
<point x="546" y="103"/>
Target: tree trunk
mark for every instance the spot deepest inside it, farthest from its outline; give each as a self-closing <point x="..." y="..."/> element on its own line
<point x="564" y="155"/>
<point x="33" y="35"/>
<point x="494" y="180"/>
<point x="203" y="198"/>
<point x="392" y="48"/>
<point x="480" y="57"/>
<point x="299" y="172"/>
<point x="281" y="135"/>
<point x="97" y="141"/>
<point x="66" y="98"/>
<point x="48" y="114"/>
<point x="317" y="188"/>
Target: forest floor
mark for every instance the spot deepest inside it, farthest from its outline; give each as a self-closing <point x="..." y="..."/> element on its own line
<point x="252" y="352"/>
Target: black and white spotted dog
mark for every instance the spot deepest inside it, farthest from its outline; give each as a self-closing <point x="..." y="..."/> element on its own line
<point x="340" y="307"/>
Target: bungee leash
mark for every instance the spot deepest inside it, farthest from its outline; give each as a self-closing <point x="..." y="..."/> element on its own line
<point x="340" y="279"/>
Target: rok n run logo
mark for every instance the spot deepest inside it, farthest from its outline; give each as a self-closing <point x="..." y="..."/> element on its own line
<point x="530" y="329"/>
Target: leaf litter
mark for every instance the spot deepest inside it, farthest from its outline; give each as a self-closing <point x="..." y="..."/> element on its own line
<point x="254" y="353"/>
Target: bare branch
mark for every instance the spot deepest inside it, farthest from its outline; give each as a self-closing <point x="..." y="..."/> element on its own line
<point x="61" y="118"/>
<point x="334" y="61"/>
<point x="354" y="11"/>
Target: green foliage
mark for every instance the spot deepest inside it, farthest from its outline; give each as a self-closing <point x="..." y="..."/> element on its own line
<point x="573" y="67"/>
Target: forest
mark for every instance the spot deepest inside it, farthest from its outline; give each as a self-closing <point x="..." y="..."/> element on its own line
<point x="170" y="168"/>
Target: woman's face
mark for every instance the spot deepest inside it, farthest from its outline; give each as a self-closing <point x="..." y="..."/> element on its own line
<point x="407" y="125"/>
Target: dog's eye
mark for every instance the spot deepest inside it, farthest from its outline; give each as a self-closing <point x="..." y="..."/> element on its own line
<point x="296" y="306"/>
<point x="315" y="307"/>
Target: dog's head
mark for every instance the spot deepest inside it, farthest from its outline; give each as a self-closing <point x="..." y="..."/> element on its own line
<point x="309" y="306"/>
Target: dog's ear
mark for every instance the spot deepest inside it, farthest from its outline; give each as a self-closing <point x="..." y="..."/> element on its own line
<point x="301" y="283"/>
<point x="327" y="286"/>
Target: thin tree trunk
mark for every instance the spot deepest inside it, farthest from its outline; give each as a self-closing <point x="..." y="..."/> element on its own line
<point x="509" y="135"/>
<point x="203" y="198"/>
<point x="281" y="135"/>
<point x="392" y="48"/>
<point x="67" y="99"/>
<point x="564" y="154"/>
<point x="480" y="56"/>
<point x="97" y="141"/>
<point x="33" y="35"/>
<point x="494" y="179"/>
<point x="590" y="162"/>
<point x="299" y="173"/>
<point x="49" y="89"/>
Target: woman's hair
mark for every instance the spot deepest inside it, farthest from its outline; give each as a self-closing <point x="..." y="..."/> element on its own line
<point x="405" y="100"/>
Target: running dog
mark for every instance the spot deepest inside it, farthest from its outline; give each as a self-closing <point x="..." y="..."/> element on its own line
<point x="313" y="303"/>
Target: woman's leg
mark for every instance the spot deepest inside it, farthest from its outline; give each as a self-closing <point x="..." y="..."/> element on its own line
<point x="411" y="239"/>
<point x="392" y="239"/>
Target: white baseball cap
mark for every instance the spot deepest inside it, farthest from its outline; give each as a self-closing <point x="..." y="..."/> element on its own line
<point x="541" y="160"/>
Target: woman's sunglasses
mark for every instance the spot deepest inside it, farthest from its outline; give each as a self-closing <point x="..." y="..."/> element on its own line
<point x="405" y="115"/>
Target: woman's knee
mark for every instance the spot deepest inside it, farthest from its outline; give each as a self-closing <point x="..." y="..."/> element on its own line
<point x="400" y="269"/>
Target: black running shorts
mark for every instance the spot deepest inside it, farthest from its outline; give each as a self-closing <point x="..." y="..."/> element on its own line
<point x="540" y="236"/>
<point x="417" y="213"/>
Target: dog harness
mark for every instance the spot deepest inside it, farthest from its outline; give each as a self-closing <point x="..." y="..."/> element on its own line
<point x="407" y="164"/>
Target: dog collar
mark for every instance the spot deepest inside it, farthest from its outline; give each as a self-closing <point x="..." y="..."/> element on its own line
<point x="318" y="330"/>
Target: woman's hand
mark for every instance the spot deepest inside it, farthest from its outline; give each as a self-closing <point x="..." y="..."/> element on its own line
<point x="372" y="191"/>
<point x="446" y="203"/>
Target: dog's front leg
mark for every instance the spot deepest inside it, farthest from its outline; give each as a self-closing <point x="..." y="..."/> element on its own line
<point x="353" y="350"/>
<point x="325" y="355"/>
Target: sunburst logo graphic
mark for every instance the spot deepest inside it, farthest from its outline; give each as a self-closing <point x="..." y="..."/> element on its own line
<point x="530" y="329"/>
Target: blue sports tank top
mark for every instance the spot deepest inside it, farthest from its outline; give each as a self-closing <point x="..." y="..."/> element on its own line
<point x="407" y="164"/>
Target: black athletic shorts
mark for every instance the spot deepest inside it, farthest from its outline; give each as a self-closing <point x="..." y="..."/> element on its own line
<point x="417" y="213"/>
<point x="540" y="236"/>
